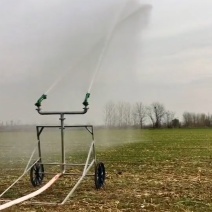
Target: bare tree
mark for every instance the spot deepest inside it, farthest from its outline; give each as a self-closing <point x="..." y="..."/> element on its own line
<point x="208" y="120"/>
<point x="150" y="114"/>
<point x="187" y="119"/>
<point x="117" y="114"/>
<point x="139" y="114"/>
<point x="156" y="112"/>
<point x="168" y="117"/>
<point x="196" y="120"/>
<point x="120" y="114"/>
<point x="127" y="114"/>
<point x="110" y="114"/>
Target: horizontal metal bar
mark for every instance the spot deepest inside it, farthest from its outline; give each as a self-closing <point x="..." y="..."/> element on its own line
<point x="65" y="126"/>
<point x="74" y="174"/>
<point x="62" y="112"/>
<point x="59" y="164"/>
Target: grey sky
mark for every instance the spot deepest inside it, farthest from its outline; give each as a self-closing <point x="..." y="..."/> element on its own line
<point x="162" y="53"/>
<point x="177" y="54"/>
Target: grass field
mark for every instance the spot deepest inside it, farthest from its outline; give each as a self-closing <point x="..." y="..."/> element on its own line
<point x="147" y="170"/>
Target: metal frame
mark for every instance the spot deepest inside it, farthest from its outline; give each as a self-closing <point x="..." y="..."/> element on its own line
<point x="63" y="163"/>
<point x="90" y="161"/>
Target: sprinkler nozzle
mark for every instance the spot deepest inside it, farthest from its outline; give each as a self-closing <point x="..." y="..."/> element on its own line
<point x="38" y="103"/>
<point x="85" y="103"/>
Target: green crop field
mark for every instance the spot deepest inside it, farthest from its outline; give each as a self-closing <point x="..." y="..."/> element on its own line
<point x="147" y="170"/>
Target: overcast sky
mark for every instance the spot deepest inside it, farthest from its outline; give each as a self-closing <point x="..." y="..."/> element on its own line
<point x="162" y="52"/>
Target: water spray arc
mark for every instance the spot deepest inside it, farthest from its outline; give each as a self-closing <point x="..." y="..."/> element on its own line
<point x="105" y="46"/>
<point x="119" y="19"/>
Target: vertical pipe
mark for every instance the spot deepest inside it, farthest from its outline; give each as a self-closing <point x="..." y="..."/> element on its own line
<point x="94" y="150"/>
<point x="62" y="143"/>
<point x="39" y="147"/>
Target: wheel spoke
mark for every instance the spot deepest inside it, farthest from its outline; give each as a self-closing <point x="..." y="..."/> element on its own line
<point x="36" y="174"/>
<point x="99" y="175"/>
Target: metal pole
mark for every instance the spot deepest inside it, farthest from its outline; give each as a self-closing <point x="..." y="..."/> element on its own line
<point x="62" y="142"/>
<point x="39" y="148"/>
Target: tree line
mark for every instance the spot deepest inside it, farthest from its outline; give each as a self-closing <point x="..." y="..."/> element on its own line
<point x="124" y="114"/>
<point x="197" y="119"/>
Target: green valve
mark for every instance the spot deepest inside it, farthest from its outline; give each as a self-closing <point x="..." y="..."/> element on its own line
<point x="38" y="103"/>
<point x="85" y="103"/>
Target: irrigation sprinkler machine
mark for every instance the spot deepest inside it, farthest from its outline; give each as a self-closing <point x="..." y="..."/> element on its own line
<point x="36" y="168"/>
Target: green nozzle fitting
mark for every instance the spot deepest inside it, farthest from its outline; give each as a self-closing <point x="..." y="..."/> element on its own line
<point x="85" y="103"/>
<point x="38" y="103"/>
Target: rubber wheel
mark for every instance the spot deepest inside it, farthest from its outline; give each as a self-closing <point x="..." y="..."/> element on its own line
<point x="37" y="174"/>
<point x="99" y="175"/>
